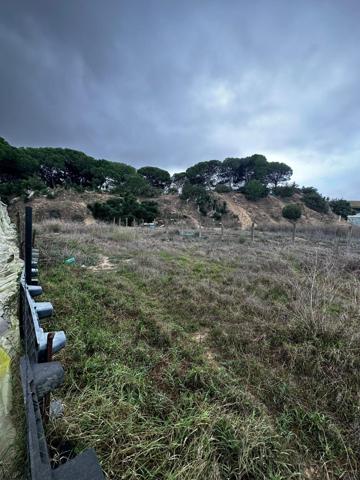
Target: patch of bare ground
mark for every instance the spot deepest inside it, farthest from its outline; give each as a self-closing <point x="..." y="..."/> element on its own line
<point x="104" y="264"/>
<point x="201" y="337"/>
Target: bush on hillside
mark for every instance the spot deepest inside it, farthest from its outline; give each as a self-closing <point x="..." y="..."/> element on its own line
<point x="315" y="201"/>
<point x="119" y="208"/>
<point x="341" y="207"/>
<point x="221" y="188"/>
<point x="292" y="212"/>
<point x="284" y="191"/>
<point x="198" y="194"/>
<point x="254" y="190"/>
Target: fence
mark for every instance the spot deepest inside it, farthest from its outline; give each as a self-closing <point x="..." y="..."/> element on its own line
<point x="40" y="375"/>
<point x="343" y="235"/>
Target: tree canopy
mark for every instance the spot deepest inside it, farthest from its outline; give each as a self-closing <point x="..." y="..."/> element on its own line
<point x="157" y="177"/>
<point x="341" y="207"/>
<point x="314" y="200"/>
<point x="277" y="173"/>
<point x="72" y="168"/>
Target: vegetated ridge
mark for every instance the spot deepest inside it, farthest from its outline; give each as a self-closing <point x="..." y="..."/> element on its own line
<point x="235" y="191"/>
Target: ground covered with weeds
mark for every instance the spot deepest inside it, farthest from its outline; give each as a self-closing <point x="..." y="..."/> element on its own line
<point x="206" y="358"/>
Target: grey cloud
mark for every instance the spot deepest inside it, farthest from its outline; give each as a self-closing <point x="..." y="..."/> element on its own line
<point x="171" y="83"/>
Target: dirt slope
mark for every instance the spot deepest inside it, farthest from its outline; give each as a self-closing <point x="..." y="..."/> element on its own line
<point x="72" y="206"/>
<point x="269" y="211"/>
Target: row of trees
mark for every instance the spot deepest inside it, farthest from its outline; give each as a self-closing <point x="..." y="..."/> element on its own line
<point x="236" y="172"/>
<point x="66" y="167"/>
<point x="24" y="169"/>
<point x="42" y="168"/>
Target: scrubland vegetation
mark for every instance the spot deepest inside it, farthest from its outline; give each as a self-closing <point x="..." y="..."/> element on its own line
<point x="28" y="172"/>
<point x="206" y="359"/>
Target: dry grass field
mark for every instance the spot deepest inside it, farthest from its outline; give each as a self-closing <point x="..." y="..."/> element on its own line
<point x="206" y="358"/>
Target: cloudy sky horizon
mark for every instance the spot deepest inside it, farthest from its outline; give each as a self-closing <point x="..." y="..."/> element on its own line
<point x="170" y="84"/>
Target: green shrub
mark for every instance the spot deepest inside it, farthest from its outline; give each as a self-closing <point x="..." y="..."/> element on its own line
<point x="314" y="200"/>
<point x="222" y="188"/>
<point x="285" y="191"/>
<point x="119" y="208"/>
<point x="254" y="190"/>
<point x="199" y="194"/>
<point x="341" y="207"/>
<point x="291" y="212"/>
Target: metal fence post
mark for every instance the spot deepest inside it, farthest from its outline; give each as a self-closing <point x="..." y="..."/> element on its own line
<point x="28" y="244"/>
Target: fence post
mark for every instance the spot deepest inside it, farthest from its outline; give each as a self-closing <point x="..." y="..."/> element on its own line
<point x="46" y="399"/>
<point x="293" y="232"/>
<point x="349" y="235"/>
<point x="252" y="232"/>
<point x="222" y="230"/>
<point x="28" y="244"/>
<point x="126" y="221"/>
<point x="337" y="241"/>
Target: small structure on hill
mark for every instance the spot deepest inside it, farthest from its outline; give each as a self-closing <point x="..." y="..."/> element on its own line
<point x="354" y="219"/>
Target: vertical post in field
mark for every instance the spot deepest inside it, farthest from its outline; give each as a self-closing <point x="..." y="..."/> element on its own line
<point x="126" y="221"/>
<point x="349" y="235"/>
<point x="28" y="244"/>
<point x="222" y="230"/>
<point x="252" y="232"/>
<point x="293" y="232"/>
<point x="337" y="241"/>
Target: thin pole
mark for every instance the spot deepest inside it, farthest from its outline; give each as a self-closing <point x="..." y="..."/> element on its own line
<point x="28" y="244"/>
<point x="293" y="232"/>
<point x="349" y="235"/>
<point x="252" y="232"/>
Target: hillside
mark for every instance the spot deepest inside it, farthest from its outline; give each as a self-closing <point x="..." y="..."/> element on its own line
<point x="241" y="212"/>
<point x="71" y="206"/>
<point x="61" y="183"/>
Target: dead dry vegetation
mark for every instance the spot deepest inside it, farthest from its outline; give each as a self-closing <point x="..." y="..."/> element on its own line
<point x="205" y="358"/>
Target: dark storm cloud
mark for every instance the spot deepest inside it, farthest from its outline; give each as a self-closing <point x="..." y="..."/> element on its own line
<point x="171" y="83"/>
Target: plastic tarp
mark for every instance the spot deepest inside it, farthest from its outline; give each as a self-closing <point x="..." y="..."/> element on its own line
<point x="10" y="268"/>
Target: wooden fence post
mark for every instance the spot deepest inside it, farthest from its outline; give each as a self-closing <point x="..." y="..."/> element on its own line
<point x="337" y="241"/>
<point x="293" y="232"/>
<point x="349" y="235"/>
<point x="252" y="232"/>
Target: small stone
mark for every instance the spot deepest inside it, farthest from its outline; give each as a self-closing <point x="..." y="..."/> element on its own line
<point x="56" y="409"/>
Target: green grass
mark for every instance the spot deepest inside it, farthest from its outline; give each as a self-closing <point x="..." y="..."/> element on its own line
<point x="206" y="359"/>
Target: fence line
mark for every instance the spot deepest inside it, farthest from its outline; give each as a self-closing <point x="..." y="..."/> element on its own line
<point x="40" y="375"/>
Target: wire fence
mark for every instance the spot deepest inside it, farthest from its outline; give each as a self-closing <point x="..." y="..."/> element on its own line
<point x="40" y="375"/>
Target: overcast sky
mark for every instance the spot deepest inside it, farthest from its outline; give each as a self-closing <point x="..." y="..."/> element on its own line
<point x="173" y="82"/>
